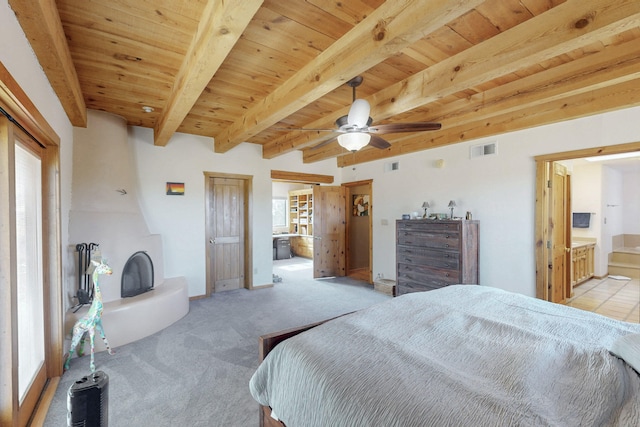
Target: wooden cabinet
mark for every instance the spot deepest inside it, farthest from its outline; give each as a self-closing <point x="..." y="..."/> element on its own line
<point x="302" y="246"/>
<point x="582" y="263"/>
<point x="301" y="212"/>
<point x="431" y="254"/>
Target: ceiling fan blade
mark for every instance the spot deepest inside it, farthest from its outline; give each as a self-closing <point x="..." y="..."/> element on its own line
<point x="379" y="142"/>
<point x="305" y="129"/>
<point x="325" y="142"/>
<point x="404" y="127"/>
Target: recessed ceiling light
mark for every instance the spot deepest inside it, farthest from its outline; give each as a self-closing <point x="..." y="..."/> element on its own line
<point x="147" y="109"/>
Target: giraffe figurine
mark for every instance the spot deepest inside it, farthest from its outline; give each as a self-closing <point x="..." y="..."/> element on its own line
<point x="91" y="321"/>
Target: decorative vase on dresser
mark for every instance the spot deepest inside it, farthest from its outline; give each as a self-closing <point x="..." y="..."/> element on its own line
<point x="431" y="254"/>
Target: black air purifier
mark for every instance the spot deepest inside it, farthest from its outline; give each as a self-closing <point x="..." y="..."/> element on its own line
<point x="88" y="401"/>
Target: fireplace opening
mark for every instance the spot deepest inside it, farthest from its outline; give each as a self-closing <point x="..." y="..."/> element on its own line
<point x="137" y="275"/>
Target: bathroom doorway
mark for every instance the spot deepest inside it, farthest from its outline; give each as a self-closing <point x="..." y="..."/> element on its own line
<point x="543" y="221"/>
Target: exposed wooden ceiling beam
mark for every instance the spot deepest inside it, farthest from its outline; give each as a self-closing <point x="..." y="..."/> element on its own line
<point x="220" y="27"/>
<point x="388" y="30"/>
<point x="613" y="65"/>
<point x="305" y="178"/>
<point x="564" y="28"/>
<point x="609" y="98"/>
<point x="41" y="24"/>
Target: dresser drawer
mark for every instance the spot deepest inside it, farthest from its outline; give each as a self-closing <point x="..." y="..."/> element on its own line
<point x="408" y="287"/>
<point x="428" y="274"/>
<point x="429" y="239"/>
<point x="433" y="257"/>
<point x="429" y="226"/>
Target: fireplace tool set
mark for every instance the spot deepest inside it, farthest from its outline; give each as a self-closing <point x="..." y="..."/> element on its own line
<point x="85" y="286"/>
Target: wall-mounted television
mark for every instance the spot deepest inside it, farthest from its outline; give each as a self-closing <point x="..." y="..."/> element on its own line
<point x="581" y="219"/>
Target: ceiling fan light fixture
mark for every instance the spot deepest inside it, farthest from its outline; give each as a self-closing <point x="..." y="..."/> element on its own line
<point x="359" y="113"/>
<point x="353" y="141"/>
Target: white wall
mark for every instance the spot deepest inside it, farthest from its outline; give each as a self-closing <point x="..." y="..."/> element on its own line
<point x="631" y="202"/>
<point x="18" y="58"/>
<point x="498" y="190"/>
<point x="181" y="220"/>
<point x="586" y="196"/>
<point x="613" y="209"/>
<point x="612" y="201"/>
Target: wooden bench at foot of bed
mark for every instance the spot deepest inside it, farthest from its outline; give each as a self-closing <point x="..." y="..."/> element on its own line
<point x="266" y="343"/>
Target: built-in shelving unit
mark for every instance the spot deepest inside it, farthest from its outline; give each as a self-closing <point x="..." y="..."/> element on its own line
<point x="301" y="212"/>
<point x="301" y="222"/>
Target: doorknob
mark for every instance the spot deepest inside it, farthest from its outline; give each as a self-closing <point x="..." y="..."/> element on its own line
<point x="567" y="249"/>
<point x="212" y="241"/>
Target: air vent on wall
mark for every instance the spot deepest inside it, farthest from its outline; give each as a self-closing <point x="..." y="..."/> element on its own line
<point x="391" y="166"/>
<point x="480" y="150"/>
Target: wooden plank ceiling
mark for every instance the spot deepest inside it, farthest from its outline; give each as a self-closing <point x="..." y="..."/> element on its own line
<point x="253" y="71"/>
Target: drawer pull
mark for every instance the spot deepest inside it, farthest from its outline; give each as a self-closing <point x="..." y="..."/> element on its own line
<point x="446" y="274"/>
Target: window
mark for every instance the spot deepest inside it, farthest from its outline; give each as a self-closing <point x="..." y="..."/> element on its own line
<point x="279" y="212"/>
<point x="30" y="290"/>
<point x="30" y="283"/>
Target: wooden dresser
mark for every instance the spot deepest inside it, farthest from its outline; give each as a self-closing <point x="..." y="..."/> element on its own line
<point x="431" y="254"/>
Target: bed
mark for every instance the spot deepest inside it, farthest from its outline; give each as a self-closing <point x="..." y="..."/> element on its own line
<point x="457" y="356"/>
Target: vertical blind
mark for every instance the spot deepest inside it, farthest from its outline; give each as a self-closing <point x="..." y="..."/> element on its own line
<point x="31" y="352"/>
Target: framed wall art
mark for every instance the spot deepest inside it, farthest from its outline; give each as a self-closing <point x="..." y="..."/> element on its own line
<point x="175" y="188"/>
<point x="360" y="205"/>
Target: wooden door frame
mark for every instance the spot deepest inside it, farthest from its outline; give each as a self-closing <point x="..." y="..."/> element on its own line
<point x="542" y="228"/>
<point x="18" y="105"/>
<point x="248" y="231"/>
<point x="568" y="289"/>
<point x="349" y="185"/>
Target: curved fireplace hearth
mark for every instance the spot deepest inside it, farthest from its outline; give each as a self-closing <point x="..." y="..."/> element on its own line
<point x="137" y="275"/>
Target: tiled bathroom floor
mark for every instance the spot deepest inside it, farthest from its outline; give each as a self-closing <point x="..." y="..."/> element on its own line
<point x="618" y="299"/>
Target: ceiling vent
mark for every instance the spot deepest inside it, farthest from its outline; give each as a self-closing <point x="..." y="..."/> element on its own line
<point x="488" y="149"/>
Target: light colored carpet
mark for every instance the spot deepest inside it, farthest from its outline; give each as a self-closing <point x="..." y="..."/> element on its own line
<point x="196" y="372"/>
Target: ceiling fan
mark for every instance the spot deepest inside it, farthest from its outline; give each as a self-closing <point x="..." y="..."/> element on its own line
<point x="355" y="128"/>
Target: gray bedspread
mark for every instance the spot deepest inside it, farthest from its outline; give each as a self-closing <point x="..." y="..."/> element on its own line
<point x="459" y="356"/>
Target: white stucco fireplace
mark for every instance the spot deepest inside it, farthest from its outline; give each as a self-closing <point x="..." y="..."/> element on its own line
<point x="105" y="210"/>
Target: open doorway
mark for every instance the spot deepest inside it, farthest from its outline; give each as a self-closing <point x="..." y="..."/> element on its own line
<point x="292" y="229"/>
<point x="359" y="230"/>
<point x="546" y="282"/>
<point x="318" y="222"/>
